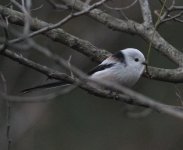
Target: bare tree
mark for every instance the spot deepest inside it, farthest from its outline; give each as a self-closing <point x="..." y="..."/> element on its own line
<point x="20" y="29"/>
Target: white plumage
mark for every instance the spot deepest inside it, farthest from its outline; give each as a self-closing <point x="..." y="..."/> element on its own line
<point x="128" y="66"/>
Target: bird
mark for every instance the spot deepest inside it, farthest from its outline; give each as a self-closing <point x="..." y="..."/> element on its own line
<point x="124" y="67"/>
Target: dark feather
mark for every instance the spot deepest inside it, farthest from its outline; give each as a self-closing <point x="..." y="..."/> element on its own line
<point x="120" y="56"/>
<point x="59" y="83"/>
<point x="44" y="86"/>
<point x="100" y="68"/>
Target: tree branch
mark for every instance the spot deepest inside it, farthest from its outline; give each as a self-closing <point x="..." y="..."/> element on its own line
<point x="167" y="75"/>
<point x="135" y="98"/>
<point x="86" y="47"/>
<point x="158" y="42"/>
<point x="61" y="22"/>
<point x="146" y="13"/>
<point x="57" y="35"/>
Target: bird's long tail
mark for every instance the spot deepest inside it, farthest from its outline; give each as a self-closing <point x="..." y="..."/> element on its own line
<point x="44" y="86"/>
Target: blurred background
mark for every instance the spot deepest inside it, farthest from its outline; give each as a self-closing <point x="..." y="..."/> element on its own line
<point x="79" y="120"/>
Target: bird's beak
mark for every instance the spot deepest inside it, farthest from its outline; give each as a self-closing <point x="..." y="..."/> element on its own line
<point x="147" y="74"/>
<point x="144" y="63"/>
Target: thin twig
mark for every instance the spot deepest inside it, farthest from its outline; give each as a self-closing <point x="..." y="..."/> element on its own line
<point x="155" y="27"/>
<point x="172" y="12"/>
<point x="121" y="8"/>
<point x="63" y="21"/>
<point x="56" y="6"/>
<point x="4" y="83"/>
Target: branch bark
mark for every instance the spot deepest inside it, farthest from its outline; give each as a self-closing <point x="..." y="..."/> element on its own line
<point x="132" y="98"/>
<point x="146" y="32"/>
<point x="86" y="48"/>
<point x="146" y="13"/>
<point x="57" y="35"/>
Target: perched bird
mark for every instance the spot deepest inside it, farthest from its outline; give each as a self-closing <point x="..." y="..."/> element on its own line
<point x="124" y="67"/>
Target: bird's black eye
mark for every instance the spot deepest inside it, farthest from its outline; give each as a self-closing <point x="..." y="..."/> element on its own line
<point x="136" y="59"/>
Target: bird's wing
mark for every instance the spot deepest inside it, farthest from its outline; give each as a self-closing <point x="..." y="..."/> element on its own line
<point x="100" y="68"/>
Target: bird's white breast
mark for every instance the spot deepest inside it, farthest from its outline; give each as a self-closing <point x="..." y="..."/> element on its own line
<point x="119" y="74"/>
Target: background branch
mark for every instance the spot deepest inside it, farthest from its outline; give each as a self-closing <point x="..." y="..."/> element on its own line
<point x="66" y="110"/>
<point x="158" y="42"/>
<point x="87" y="48"/>
<point x="135" y="98"/>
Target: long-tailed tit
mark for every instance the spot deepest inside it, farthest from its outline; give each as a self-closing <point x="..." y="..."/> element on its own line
<point x="123" y="67"/>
